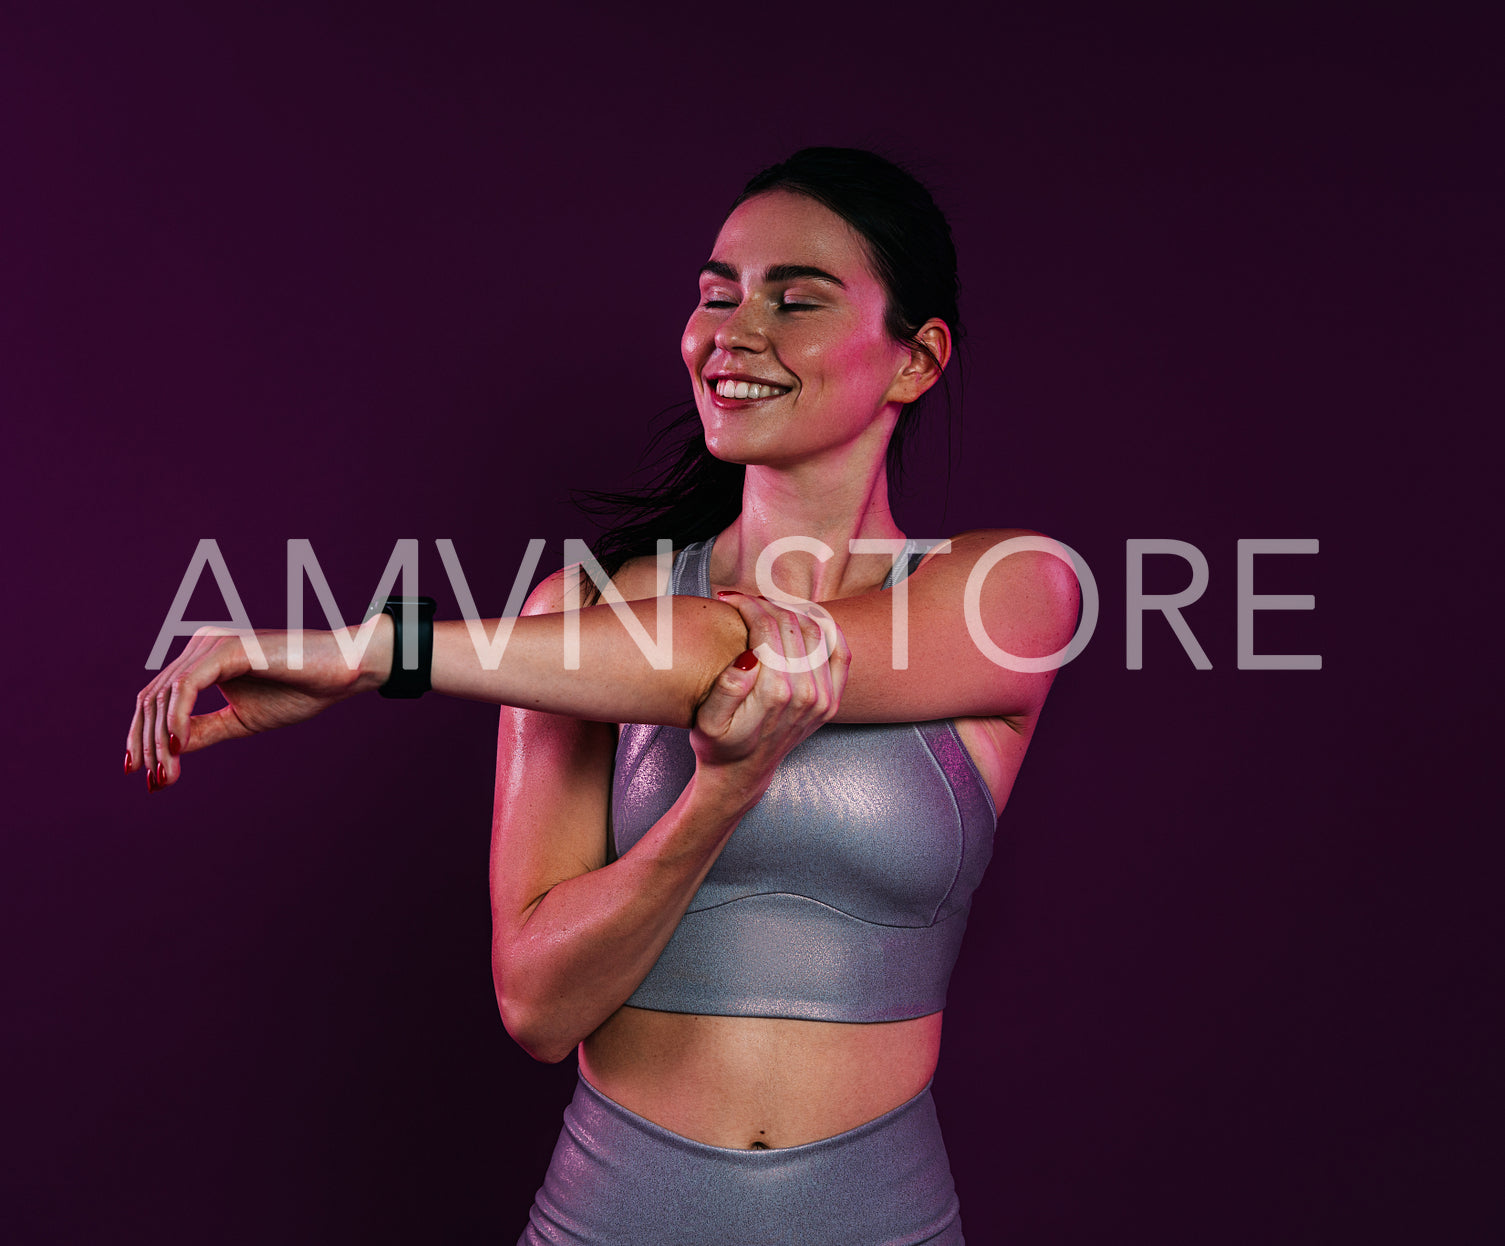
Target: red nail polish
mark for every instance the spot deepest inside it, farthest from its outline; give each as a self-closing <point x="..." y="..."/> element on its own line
<point x="151" y="784"/>
<point x="172" y="744"/>
<point x="724" y="592"/>
<point x="161" y="774"/>
<point x="127" y="761"/>
<point x="746" y="660"/>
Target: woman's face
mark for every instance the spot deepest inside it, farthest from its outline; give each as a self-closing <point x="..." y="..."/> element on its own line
<point x="787" y="350"/>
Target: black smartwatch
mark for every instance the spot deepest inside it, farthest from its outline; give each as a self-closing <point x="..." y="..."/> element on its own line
<point x="408" y="613"/>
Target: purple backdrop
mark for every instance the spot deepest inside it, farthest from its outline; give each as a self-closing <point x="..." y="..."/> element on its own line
<point x="354" y="275"/>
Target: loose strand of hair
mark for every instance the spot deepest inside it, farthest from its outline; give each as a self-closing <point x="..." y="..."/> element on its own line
<point x="691" y="496"/>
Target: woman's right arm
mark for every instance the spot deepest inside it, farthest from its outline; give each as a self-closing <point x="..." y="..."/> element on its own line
<point x="614" y="681"/>
<point x="1025" y="605"/>
<point x="573" y="936"/>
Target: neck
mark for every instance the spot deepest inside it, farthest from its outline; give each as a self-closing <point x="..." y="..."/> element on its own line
<point x="833" y="502"/>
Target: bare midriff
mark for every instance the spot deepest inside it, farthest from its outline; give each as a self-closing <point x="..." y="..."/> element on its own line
<point x="758" y="1081"/>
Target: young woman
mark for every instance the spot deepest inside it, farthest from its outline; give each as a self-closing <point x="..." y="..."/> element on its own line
<point x="737" y="885"/>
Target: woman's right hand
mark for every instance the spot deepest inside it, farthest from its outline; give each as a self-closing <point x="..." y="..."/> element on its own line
<point x="257" y="700"/>
<point x="758" y="710"/>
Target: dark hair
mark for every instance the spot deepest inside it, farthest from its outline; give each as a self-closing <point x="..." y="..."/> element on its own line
<point x="697" y="495"/>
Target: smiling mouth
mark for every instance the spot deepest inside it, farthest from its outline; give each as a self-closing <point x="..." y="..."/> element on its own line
<point x="747" y="390"/>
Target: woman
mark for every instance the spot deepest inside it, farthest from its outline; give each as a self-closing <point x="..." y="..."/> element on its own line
<point x="743" y="926"/>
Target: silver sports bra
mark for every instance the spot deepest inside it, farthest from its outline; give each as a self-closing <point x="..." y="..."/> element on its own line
<point x="843" y="894"/>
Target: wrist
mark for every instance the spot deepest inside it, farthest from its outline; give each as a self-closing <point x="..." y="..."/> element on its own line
<point x="726" y="791"/>
<point x="375" y="666"/>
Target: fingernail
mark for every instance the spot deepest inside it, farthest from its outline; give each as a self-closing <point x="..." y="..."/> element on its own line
<point x="151" y="784"/>
<point x="127" y="761"/>
<point x="161" y="774"/>
<point x="746" y="660"/>
<point x="172" y="744"/>
<point x="725" y="592"/>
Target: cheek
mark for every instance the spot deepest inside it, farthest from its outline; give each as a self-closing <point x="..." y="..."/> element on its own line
<point x="692" y="345"/>
<point x="843" y="359"/>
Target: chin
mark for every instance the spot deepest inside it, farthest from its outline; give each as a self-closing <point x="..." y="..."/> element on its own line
<point x="738" y="442"/>
<point x="728" y="451"/>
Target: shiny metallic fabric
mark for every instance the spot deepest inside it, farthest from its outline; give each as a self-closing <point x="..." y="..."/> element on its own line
<point x="618" y="1178"/>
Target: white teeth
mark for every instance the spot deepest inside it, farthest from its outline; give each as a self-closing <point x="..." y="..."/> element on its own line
<point x="746" y="389"/>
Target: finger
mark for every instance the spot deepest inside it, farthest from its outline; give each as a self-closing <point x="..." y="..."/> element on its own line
<point x="813" y="637"/>
<point x="817" y="655"/>
<point x="163" y="772"/>
<point x="200" y="664"/>
<point x="173" y="703"/>
<point x="731" y="689"/>
<point x="145" y="747"/>
<point x="834" y="656"/>
<point x="802" y="657"/>
<point x="789" y="685"/>
<point x="803" y="650"/>
<point x="830" y="634"/>
<point x="148" y="738"/>
<point x="841" y="662"/>
<point x="133" y="740"/>
<point x="180" y="720"/>
<point x="779" y="641"/>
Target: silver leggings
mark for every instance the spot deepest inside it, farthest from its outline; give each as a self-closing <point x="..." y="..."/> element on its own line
<point x="618" y="1178"/>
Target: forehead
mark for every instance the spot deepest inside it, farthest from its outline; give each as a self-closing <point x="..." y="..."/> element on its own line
<point x="780" y="227"/>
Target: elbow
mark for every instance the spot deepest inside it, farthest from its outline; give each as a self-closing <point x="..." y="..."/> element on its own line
<point x="532" y="1028"/>
<point x="726" y="637"/>
<point x="538" y="1040"/>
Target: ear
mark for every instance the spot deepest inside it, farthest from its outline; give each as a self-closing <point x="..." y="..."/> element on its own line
<point x="923" y="368"/>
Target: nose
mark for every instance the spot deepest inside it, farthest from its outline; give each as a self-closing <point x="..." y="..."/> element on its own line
<point x="745" y="328"/>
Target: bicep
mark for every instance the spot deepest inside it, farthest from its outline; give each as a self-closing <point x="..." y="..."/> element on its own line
<point x="969" y="615"/>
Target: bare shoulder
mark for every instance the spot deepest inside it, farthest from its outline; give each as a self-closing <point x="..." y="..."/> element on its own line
<point x="548" y="596"/>
<point x="1018" y="579"/>
<point x="636" y="579"/>
<point x="1021" y="558"/>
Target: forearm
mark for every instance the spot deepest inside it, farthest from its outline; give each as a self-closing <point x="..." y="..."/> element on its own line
<point x="613" y="680"/>
<point x="584" y="947"/>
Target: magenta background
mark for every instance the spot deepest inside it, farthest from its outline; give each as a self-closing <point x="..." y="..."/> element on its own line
<point x="356" y="276"/>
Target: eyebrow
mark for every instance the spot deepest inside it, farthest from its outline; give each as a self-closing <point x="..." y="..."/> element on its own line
<point x="776" y="273"/>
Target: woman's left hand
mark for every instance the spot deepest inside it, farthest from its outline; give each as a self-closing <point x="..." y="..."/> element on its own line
<point x="259" y="697"/>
